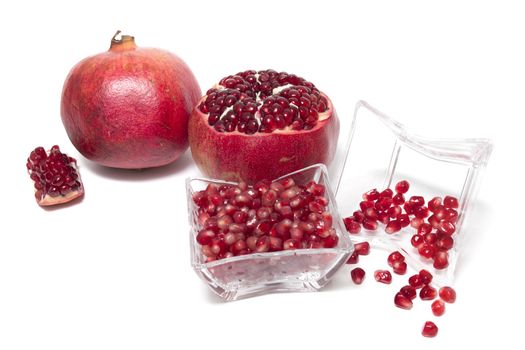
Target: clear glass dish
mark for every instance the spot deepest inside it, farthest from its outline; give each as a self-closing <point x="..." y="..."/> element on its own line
<point x="381" y="152"/>
<point x="254" y="274"/>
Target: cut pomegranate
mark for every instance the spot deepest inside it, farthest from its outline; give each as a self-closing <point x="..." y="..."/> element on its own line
<point x="362" y="248"/>
<point x="358" y="275"/>
<point x="383" y="276"/>
<point x="430" y="329"/>
<point x="409" y="292"/>
<point x="395" y="256"/>
<point x="402" y="186"/>
<point x="448" y="294"/>
<point x="55" y="175"/>
<point x="438" y="307"/>
<point x="450" y="202"/>
<point x="280" y="121"/>
<point x="402" y="301"/>
<point x="399" y="267"/>
<point x="427" y="293"/>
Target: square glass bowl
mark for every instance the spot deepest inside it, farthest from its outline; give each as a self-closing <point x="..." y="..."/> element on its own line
<point x="298" y="270"/>
<point x="381" y="151"/>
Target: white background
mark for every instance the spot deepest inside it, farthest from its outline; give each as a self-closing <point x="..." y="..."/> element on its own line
<point x="113" y="271"/>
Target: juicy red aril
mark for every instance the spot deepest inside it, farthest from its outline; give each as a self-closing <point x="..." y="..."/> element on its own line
<point x="402" y="186"/>
<point x="421" y="212"/>
<point x="387" y="193"/>
<point x="427" y="293"/>
<point x="438" y="307"/>
<point x="399" y="267"/>
<point x="430" y="329"/>
<point x="434" y="204"/>
<point x="425" y="277"/>
<point x="394" y="211"/>
<point x="416" y="201"/>
<point x="383" y="276"/>
<point x="205" y="237"/>
<point x="353" y="259"/>
<point x="426" y="250"/>
<point x="448" y="294"/>
<point x="440" y="259"/>
<point x="395" y="256"/>
<point x="401" y="301"/>
<point x="249" y="102"/>
<point x="424" y="228"/>
<point x="430" y="238"/>
<point x="364" y="205"/>
<point x="415" y="281"/>
<point x="398" y="199"/>
<point x="434" y="221"/>
<point x="383" y="218"/>
<point x="370" y="225"/>
<point x="371" y="195"/>
<point x="445" y="243"/>
<point x="362" y="248"/>
<point x="358" y="216"/>
<point x="358" y="275"/>
<point x="450" y="202"/>
<point x="447" y="227"/>
<point x="55" y="175"/>
<point x="417" y="240"/>
<point x="352" y="226"/>
<point x="404" y="220"/>
<point x="409" y="292"/>
<point x="383" y="203"/>
<point x="393" y="226"/>
<point x="416" y="223"/>
<point x="451" y="215"/>
<point x="371" y="213"/>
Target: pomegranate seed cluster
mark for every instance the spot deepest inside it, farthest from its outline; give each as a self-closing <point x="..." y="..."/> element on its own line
<point x="434" y="222"/>
<point x="263" y="101"/>
<point x="54" y="174"/>
<point x="270" y="216"/>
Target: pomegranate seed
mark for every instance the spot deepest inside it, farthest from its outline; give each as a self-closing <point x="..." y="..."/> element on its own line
<point x="330" y="241"/>
<point x="395" y="256"/>
<point x="393" y="226"/>
<point x="434" y="204"/>
<point x="404" y="220"/>
<point x="358" y="216"/>
<point x="430" y="329"/>
<point x="421" y="212"/>
<point x="398" y="199"/>
<point x="440" y="260"/>
<point x="399" y="267"/>
<point x="416" y="223"/>
<point x="425" y="277"/>
<point x="450" y="202"/>
<point x="292" y="244"/>
<point x="353" y="259"/>
<point x="434" y="221"/>
<point x="451" y="215"/>
<point x="445" y="243"/>
<point x="448" y="294"/>
<point x="383" y="276"/>
<point x="427" y="293"/>
<point x="364" y="205"/>
<point x="370" y="225"/>
<point x="383" y="203"/>
<point x="402" y="186"/>
<point x="371" y="195"/>
<point x="352" y="226"/>
<point x="409" y="292"/>
<point x="438" y="307"/>
<point x="447" y="227"/>
<point x="424" y="228"/>
<point x="358" y="275"/>
<point x="426" y="250"/>
<point x="409" y="208"/>
<point x="394" y="211"/>
<point x="417" y="201"/>
<point x="415" y="281"/>
<point x="430" y="238"/>
<point x="383" y="218"/>
<point x="417" y="240"/>
<point x="263" y="244"/>
<point x="402" y="301"/>
<point x="387" y="193"/>
<point x="370" y="213"/>
<point x="204" y="237"/>
<point x="362" y="248"/>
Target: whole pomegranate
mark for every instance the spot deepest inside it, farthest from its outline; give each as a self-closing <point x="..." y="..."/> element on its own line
<point x="256" y="125"/>
<point x="129" y="107"/>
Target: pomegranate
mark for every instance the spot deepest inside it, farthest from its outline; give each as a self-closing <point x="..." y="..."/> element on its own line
<point x="262" y="124"/>
<point x="55" y="175"/>
<point x="129" y="107"/>
<point x="430" y="329"/>
<point x="358" y="275"/>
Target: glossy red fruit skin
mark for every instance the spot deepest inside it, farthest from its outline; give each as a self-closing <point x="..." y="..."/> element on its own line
<point x="264" y="155"/>
<point x="129" y="107"/>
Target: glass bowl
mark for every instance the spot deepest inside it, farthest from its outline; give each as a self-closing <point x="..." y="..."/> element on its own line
<point x="299" y="270"/>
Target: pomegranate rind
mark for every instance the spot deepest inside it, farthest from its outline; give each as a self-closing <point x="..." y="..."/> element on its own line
<point x="234" y="156"/>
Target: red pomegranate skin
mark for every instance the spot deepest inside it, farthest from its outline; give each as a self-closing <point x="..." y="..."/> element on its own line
<point x="236" y="156"/>
<point x="129" y="107"/>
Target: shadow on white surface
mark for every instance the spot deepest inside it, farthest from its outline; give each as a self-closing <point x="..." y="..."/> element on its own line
<point x="178" y="166"/>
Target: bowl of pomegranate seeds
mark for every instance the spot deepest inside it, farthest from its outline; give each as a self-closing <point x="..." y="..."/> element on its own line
<point x="284" y="235"/>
